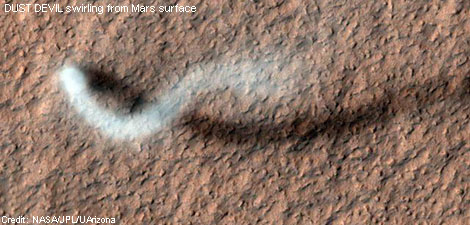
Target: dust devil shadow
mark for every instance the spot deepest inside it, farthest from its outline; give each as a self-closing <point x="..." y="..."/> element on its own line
<point x="340" y="122"/>
<point x="305" y="126"/>
<point x="129" y="97"/>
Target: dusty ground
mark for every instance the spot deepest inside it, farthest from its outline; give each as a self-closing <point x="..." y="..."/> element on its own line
<point x="387" y="143"/>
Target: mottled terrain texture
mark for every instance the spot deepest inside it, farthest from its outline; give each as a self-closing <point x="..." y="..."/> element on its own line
<point x="378" y="132"/>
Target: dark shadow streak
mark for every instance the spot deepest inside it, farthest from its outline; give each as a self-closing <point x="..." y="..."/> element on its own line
<point x="107" y="84"/>
<point x="304" y="126"/>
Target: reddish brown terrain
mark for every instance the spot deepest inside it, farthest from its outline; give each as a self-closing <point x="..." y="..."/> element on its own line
<point x="377" y="133"/>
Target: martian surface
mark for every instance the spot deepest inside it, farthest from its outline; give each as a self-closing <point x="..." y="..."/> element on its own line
<point x="242" y="112"/>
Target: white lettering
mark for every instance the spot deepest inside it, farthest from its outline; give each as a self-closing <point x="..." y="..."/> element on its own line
<point x="17" y="8"/>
